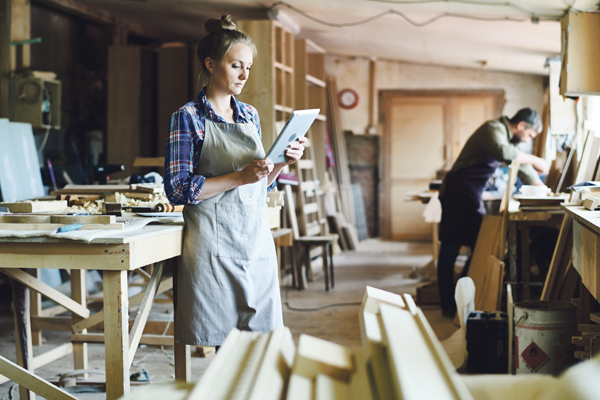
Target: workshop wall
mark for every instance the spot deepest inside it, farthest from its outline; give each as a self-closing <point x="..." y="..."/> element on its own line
<point x="522" y="90"/>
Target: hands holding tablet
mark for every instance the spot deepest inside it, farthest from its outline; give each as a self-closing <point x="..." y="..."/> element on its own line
<point x="295" y="150"/>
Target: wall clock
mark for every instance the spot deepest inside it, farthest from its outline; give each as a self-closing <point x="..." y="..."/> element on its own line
<point x="347" y="99"/>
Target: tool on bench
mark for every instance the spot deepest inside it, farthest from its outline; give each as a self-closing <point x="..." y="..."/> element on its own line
<point x="68" y="228"/>
<point x="166" y="207"/>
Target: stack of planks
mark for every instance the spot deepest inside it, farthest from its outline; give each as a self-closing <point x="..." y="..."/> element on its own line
<point x="400" y="358"/>
<point x="344" y="223"/>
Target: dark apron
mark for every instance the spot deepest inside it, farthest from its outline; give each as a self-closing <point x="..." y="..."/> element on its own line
<point x="462" y="203"/>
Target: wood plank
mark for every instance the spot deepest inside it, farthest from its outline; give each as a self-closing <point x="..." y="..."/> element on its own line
<point x="64" y="255"/>
<point x="144" y="311"/>
<point x="300" y="388"/>
<point x="116" y="307"/>
<point x="50" y="227"/>
<point x="149" y="339"/>
<point x="31" y="381"/>
<point x="149" y="161"/>
<point x="557" y="264"/>
<point x="487" y="295"/>
<point x="276" y="365"/>
<point x="36" y="206"/>
<point x="52" y="355"/>
<point x="484" y="247"/>
<point x="317" y="356"/>
<point x="416" y="373"/>
<point x="48" y="291"/>
<point x="27" y="219"/>
<point x="83" y="219"/>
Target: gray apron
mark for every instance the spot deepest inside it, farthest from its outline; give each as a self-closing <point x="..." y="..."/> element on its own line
<point x="228" y="272"/>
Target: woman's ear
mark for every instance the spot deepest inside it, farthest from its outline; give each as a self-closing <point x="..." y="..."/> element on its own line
<point x="210" y="64"/>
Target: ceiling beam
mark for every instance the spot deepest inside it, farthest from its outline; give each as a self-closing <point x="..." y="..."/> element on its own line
<point x="101" y="17"/>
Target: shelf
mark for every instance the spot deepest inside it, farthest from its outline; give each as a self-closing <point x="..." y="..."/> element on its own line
<point x="281" y="108"/>
<point x="283" y="67"/>
<point x="315" y="81"/>
<point x="321" y="117"/>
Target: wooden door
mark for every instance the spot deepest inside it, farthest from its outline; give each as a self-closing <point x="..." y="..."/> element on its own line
<point x="424" y="133"/>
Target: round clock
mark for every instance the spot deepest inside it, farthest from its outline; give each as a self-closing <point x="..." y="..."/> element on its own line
<point x="347" y="99"/>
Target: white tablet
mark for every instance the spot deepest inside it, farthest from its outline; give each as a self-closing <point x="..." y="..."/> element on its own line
<point x="296" y="127"/>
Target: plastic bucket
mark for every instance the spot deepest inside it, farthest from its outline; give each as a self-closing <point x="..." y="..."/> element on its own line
<point x="543" y="331"/>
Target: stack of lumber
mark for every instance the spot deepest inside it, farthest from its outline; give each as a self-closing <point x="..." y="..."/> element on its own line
<point x="588" y="344"/>
<point x="345" y="220"/>
<point x="400" y="358"/>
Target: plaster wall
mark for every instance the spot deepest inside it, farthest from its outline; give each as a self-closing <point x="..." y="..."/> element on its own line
<point x="521" y="90"/>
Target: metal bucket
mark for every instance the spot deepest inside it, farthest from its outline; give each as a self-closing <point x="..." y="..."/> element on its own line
<point x="543" y="331"/>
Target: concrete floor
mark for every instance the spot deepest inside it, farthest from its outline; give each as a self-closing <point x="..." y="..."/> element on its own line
<point x="384" y="265"/>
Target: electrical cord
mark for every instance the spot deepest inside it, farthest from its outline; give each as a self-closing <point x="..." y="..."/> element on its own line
<point x="287" y="303"/>
<point x="534" y="18"/>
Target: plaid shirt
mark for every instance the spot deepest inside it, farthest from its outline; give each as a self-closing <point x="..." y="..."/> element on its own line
<point x="184" y="145"/>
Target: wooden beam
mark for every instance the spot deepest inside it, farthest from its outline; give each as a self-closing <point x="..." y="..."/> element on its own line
<point x="31" y="381"/>
<point x="96" y="15"/>
<point x="144" y="310"/>
<point x="48" y="291"/>
<point x="155" y="340"/>
<point x="5" y="56"/>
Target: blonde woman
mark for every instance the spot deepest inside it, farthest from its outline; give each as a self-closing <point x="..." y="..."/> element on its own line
<point x="215" y="164"/>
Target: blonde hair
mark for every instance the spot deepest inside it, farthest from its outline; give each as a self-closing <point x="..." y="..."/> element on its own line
<point x="221" y="35"/>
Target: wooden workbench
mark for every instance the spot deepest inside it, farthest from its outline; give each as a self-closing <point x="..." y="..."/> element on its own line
<point x="114" y="256"/>
<point x="586" y="246"/>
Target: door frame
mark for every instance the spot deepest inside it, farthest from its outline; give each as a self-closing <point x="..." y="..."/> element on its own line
<point x="386" y="98"/>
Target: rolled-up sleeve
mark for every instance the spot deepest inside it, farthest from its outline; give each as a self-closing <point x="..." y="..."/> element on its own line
<point x="181" y="158"/>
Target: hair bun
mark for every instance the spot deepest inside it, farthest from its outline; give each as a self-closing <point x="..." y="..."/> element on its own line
<point x="225" y="23"/>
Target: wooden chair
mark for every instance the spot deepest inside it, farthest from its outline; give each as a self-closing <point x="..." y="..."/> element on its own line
<point x="303" y="245"/>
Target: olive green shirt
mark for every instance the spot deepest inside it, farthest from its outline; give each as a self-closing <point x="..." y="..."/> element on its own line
<point x="492" y="139"/>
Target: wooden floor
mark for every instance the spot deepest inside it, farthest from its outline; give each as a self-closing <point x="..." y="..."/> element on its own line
<point x="381" y="264"/>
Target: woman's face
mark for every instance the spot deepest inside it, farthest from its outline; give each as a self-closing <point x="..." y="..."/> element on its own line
<point x="230" y="75"/>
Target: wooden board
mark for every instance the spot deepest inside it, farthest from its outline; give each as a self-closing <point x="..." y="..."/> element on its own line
<point x="83" y="219"/>
<point x="318" y="356"/>
<point x="484" y="247"/>
<point x="35" y="206"/>
<point x="487" y="296"/>
<point x="48" y="227"/>
<point x="547" y="201"/>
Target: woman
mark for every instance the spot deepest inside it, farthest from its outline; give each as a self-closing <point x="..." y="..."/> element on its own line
<point x="215" y="164"/>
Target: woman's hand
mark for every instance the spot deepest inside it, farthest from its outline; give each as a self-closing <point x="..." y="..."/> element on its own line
<point x="295" y="150"/>
<point x="256" y="171"/>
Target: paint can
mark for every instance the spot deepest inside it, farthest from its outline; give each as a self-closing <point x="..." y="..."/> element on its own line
<point x="543" y="331"/>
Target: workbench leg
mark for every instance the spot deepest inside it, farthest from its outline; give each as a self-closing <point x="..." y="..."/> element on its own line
<point x="183" y="360"/>
<point x="512" y="252"/>
<point x="183" y="363"/>
<point x="116" y="333"/>
<point x="23" y="333"/>
<point x="525" y="262"/>
<point x="79" y="294"/>
<point x="36" y="308"/>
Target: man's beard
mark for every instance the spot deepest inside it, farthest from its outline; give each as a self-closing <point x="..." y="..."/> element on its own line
<point x="515" y="139"/>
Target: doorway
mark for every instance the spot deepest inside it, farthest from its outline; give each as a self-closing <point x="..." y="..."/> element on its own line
<point x="423" y="133"/>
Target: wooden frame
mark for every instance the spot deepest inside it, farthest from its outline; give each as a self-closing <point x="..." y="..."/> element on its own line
<point x="386" y="98"/>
